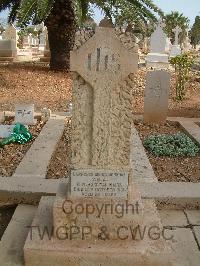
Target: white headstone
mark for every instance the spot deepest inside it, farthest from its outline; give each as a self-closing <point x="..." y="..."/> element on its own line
<point x="158" y="39"/>
<point x="157" y="58"/>
<point x="24" y="114"/>
<point x="177" y="31"/>
<point x="186" y="44"/>
<point x="156" y="96"/>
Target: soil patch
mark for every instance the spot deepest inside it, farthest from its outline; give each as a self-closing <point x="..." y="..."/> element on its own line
<point x="11" y="155"/>
<point x="6" y="214"/>
<point x="170" y="169"/>
<point x="59" y="166"/>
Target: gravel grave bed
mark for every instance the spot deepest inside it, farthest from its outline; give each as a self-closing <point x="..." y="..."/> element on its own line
<point x="59" y="166"/>
<point x="30" y="82"/>
<point x="11" y="155"/>
<point x="170" y="169"/>
<point x="6" y="214"/>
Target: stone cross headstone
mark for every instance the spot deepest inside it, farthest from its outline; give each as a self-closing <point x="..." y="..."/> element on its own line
<point x="177" y="31"/>
<point x="101" y="116"/>
<point x="176" y="49"/>
<point x="101" y="138"/>
<point x="156" y="96"/>
<point x="24" y="114"/>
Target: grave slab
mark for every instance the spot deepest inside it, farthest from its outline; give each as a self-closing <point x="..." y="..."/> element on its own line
<point x="59" y="252"/>
<point x="13" y="240"/>
<point x="37" y="158"/>
<point x="173" y="218"/>
<point x="193" y="216"/>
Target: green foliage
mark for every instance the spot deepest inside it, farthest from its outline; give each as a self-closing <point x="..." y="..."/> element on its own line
<point x="143" y="18"/>
<point x="141" y="12"/>
<point x="195" y="31"/>
<point x="182" y="64"/>
<point x="171" y="145"/>
<point x="172" y="20"/>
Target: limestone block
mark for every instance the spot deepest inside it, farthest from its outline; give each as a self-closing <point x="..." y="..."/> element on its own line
<point x="8" y="48"/>
<point x="101" y="117"/>
<point x="59" y="251"/>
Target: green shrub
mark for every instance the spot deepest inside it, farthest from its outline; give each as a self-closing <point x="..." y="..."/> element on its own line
<point x="182" y="64"/>
<point x="171" y="145"/>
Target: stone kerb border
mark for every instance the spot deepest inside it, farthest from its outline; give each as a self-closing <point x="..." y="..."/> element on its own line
<point x="28" y="186"/>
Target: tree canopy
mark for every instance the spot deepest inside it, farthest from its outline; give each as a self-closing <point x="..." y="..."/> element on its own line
<point x="172" y="20"/>
<point x="122" y="11"/>
<point x="195" y="31"/>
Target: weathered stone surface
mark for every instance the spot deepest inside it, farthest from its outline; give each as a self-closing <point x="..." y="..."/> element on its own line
<point x="142" y="170"/>
<point x="24" y="114"/>
<point x="101" y="117"/>
<point x="10" y="34"/>
<point x="13" y="240"/>
<point x="193" y="217"/>
<point x="89" y="252"/>
<point x="173" y="218"/>
<point x="8" y="49"/>
<point x="156" y="96"/>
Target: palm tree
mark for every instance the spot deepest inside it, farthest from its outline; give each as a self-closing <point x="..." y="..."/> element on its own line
<point x="61" y="16"/>
<point x="172" y="20"/>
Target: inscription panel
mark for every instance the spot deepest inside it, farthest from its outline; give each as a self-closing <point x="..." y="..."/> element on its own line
<point x="99" y="183"/>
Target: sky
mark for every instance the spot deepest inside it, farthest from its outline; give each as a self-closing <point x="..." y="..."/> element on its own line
<point x="190" y="8"/>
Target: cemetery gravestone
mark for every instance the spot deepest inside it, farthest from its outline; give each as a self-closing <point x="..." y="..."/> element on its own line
<point x="186" y="44"/>
<point x="176" y="49"/>
<point x="24" y="114"/>
<point x="101" y="113"/>
<point x="47" y="53"/>
<point x="157" y="58"/>
<point x="101" y="134"/>
<point x="156" y="96"/>
<point x="10" y="34"/>
<point x="8" y="50"/>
